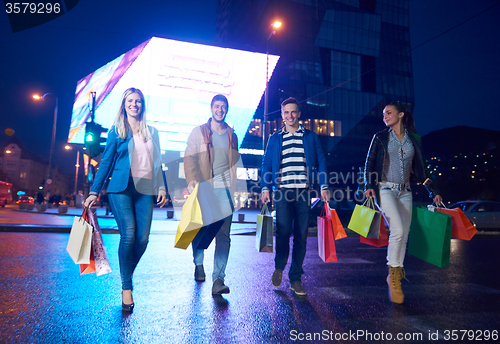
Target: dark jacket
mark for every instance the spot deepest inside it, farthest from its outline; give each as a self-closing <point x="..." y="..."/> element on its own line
<point x="375" y="162"/>
<point x="115" y="163"/>
<point x="315" y="160"/>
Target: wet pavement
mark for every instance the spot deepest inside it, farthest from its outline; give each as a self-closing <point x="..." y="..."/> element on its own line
<point x="43" y="298"/>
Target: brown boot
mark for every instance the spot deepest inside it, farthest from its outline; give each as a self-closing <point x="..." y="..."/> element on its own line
<point x="394" y="282"/>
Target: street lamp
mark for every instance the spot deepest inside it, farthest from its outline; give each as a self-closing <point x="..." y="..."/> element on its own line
<point x="49" y="174"/>
<point x="274" y="26"/>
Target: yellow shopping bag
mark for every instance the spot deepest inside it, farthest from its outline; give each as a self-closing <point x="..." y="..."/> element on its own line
<point x="191" y="220"/>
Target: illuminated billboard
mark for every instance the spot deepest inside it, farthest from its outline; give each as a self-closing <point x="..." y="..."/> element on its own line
<point x="179" y="80"/>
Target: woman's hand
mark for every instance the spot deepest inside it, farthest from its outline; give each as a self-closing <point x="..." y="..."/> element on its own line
<point x="370" y="193"/>
<point x="162" y="198"/>
<point x="90" y="201"/>
<point x="438" y="200"/>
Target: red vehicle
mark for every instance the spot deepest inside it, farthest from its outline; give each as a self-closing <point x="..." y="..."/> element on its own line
<point x="5" y="193"/>
<point x="26" y="200"/>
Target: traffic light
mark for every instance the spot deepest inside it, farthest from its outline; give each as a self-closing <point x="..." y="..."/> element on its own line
<point x="93" y="138"/>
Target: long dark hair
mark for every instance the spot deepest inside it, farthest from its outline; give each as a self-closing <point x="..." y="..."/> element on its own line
<point x="408" y="121"/>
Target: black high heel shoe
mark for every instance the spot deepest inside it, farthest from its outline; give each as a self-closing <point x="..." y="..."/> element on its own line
<point x="125" y="307"/>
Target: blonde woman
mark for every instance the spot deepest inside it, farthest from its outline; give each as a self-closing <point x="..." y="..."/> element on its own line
<point x="132" y="160"/>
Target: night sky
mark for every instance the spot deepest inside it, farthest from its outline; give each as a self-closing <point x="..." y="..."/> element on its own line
<point x="456" y="75"/>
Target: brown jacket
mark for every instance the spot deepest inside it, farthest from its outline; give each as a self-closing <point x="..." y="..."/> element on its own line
<point x="198" y="157"/>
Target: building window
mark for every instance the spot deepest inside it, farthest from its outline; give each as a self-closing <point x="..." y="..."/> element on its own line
<point x="22" y="175"/>
<point x="326" y="127"/>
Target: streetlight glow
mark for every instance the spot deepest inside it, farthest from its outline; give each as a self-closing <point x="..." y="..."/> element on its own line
<point x="67" y="147"/>
<point x="276" y="24"/>
<point x="37" y="97"/>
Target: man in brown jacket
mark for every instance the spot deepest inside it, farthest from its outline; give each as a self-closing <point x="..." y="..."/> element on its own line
<point x="212" y="155"/>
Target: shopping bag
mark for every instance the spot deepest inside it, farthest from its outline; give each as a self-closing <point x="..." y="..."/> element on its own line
<point x="88" y="268"/>
<point x="101" y="261"/>
<point x="211" y="216"/>
<point x="264" y="232"/>
<point x="365" y="220"/>
<point x="80" y="238"/>
<point x="191" y="220"/>
<point x="461" y="227"/>
<point x="338" y="228"/>
<point x="383" y="238"/>
<point x="326" y="237"/>
<point x="430" y="236"/>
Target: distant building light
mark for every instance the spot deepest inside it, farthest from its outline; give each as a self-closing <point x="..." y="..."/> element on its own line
<point x="440" y="173"/>
<point x="453" y="168"/>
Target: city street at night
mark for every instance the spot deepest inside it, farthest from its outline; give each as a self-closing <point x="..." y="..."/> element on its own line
<point x="44" y="299"/>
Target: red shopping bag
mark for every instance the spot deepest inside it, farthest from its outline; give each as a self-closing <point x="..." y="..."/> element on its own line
<point x="326" y="238"/>
<point x="383" y="238"/>
<point x="461" y="227"/>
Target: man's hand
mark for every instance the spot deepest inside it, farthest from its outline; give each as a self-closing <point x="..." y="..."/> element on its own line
<point x="265" y="198"/>
<point x="191" y="186"/>
<point x="325" y="195"/>
<point x="162" y="198"/>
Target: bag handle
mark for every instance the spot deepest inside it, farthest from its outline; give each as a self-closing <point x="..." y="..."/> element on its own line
<point x="324" y="209"/>
<point x="381" y="212"/>
<point x="371" y="203"/>
<point x="264" y="209"/>
<point x="85" y="214"/>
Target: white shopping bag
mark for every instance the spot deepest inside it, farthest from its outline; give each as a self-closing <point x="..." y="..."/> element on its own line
<point x="80" y="239"/>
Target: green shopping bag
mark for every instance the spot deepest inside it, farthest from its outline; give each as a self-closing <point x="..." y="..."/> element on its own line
<point x="365" y="220"/>
<point x="430" y="236"/>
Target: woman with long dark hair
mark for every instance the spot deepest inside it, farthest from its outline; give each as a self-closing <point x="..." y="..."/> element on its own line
<point x="132" y="160"/>
<point x="394" y="159"/>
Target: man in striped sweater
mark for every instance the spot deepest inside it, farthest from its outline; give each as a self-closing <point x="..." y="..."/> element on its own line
<point x="292" y="164"/>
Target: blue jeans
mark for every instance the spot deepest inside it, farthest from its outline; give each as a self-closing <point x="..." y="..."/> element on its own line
<point x="397" y="206"/>
<point x="133" y="213"/>
<point x="222" y="239"/>
<point x="292" y="216"/>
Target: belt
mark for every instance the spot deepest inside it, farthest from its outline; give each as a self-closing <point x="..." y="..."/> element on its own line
<point x="397" y="186"/>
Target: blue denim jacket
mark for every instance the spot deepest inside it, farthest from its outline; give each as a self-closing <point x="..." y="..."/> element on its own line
<point x="315" y="160"/>
<point x="115" y="163"/>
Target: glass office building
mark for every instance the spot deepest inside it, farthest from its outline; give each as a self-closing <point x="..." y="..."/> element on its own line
<point x="342" y="59"/>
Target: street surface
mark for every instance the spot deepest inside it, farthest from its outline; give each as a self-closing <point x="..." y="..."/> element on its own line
<point x="43" y="298"/>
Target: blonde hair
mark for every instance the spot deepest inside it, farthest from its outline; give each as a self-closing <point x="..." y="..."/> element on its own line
<point x="121" y="123"/>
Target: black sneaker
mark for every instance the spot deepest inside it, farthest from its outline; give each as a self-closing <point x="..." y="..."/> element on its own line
<point x="277" y="276"/>
<point x="298" y="289"/>
<point x="199" y="273"/>
<point x="219" y="287"/>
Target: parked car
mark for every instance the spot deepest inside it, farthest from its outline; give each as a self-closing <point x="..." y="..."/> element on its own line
<point x="485" y="215"/>
<point x="26" y="200"/>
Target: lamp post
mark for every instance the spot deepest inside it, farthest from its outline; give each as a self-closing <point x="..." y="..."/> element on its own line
<point x="77" y="167"/>
<point x="54" y="125"/>
<point x="274" y="26"/>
